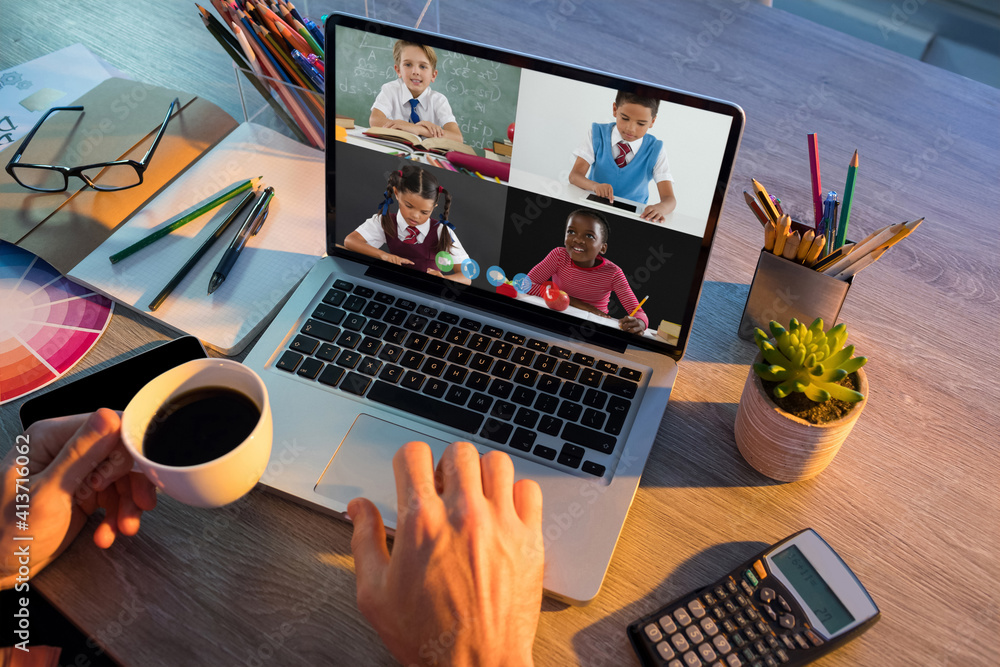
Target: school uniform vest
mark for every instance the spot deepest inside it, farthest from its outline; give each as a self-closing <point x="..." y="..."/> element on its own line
<point x="632" y="180"/>
<point x="422" y="253"/>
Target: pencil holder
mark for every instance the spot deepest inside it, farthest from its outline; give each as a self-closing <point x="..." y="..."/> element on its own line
<point x="292" y="110"/>
<point x="783" y="289"/>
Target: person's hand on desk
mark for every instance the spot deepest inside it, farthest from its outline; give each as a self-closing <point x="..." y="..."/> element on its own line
<point x="659" y="212"/>
<point x="631" y="325"/>
<point x="75" y="465"/>
<point x="463" y="585"/>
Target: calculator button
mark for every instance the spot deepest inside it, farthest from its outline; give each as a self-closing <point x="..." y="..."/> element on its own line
<point x="813" y="637"/>
<point x="682" y="617"/>
<point x="752" y="613"/>
<point x="787" y="641"/>
<point x="675" y="663"/>
<point x="784" y="604"/>
<point x="746" y="587"/>
<point x="733" y="660"/>
<point x="782" y="656"/>
<point x="758" y="567"/>
<point x="709" y="599"/>
<point x="742" y="620"/>
<point x="741" y="601"/>
<point x="769" y="661"/>
<point x="720" y="592"/>
<point x="760" y="646"/>
<point x="763" y="629"/>
<point x="737" y="639"/>
<point x="697" y="608"/>
<point x="679" y="642"/>
<point x="665" y="651"/>
<point x="709" y="626"/>
<point x="668" y="625"/>
<point x="800" y="640"/>
<point x="718" y="613"/>
<point x="691" y="659"/>
<point x="749" y="634"/>
<point x="728" y="626"/>
<point x="694" y="634"/>
<point x="731" y="586"/>
<point x="787" y="621"/>
<point x="766" y="594"/>
<point x="751" y="578"/>
<point x="653" y="632"/>
<point x="721" y="645"/>
<point x="749" y="654"/>
<point x="772" y="642"/>
<point x="730" y="607"/>
<point x="706" y="653"/>
<point x="770" y="612"/>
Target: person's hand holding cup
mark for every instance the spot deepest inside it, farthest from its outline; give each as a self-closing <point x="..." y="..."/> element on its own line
<point x="201" y="432"/>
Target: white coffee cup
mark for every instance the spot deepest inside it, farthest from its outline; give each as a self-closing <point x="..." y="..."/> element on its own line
<point x="221" y="480"/>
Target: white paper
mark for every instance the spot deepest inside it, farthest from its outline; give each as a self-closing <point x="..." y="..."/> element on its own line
<point x="52" y="80"/>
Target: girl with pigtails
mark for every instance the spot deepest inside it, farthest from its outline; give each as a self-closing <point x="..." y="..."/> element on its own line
<point x="411" y="237"/>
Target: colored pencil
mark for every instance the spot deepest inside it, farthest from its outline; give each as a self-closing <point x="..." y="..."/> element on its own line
<point x="184" y="219"/>
<point x="752" y="203"/>
<point x="179" y="276"/>
<point x="817" y="187"/>
<point x="248" y="72"/>
<point x="765" y="201"/>
<point x="636" y="309"/>
<point x="845" y="209"/>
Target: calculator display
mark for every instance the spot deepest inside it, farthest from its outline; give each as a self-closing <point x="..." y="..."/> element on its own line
<point x="813" y="589"/>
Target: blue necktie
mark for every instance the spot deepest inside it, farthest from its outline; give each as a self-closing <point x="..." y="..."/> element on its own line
<point x="414" y="118"/>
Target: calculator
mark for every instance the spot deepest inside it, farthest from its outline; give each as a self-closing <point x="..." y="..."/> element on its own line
<point x="795" y="601"/>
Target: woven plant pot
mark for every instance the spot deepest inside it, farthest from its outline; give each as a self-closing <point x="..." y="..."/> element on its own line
<point x="785" y="447"/>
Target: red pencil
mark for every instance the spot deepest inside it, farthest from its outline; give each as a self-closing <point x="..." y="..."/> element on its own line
<point x="817" y="187"/>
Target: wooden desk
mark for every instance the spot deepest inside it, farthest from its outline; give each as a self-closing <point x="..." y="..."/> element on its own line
<point x="910" y="501"/>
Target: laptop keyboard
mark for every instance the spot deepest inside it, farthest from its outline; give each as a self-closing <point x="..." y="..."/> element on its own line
<point x="551" y="404"/>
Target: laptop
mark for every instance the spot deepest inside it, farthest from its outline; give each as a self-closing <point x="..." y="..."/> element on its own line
<point x="367" y="354"/>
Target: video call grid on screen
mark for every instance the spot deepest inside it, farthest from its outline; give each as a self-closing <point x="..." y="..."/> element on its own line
<point x="515" y="224"/>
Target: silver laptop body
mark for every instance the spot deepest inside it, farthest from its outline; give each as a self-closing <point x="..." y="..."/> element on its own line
<point x="332" y="444"/>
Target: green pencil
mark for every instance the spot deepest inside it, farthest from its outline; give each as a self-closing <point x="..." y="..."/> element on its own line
<point x="845" y="208"/>
<point x="180" y="222"/>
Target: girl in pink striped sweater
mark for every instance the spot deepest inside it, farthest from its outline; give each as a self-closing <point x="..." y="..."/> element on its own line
<point x="579" y="269"/>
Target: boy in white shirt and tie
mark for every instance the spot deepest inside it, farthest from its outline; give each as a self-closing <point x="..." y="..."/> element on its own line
<point x="408" y="103"/>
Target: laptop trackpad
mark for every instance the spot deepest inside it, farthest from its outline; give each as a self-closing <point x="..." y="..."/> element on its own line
<point x="362" y="465"/>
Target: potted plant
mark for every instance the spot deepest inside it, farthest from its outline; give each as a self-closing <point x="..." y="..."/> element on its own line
<point x="800" y="400"/>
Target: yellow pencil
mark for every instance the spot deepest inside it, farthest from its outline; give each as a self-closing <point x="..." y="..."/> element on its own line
<point x="636" y="309"/>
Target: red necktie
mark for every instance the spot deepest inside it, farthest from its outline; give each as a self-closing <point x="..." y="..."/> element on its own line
<point x="623" y="150"/>
<point x="411" y="235"/>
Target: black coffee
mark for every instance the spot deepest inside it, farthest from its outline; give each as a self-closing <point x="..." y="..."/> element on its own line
<point x="199" y="426"/>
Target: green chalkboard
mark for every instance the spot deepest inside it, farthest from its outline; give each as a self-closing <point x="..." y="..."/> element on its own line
<point x="482" y="93"/>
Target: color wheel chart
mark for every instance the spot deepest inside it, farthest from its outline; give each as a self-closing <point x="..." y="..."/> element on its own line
<point x="47" y="322"/>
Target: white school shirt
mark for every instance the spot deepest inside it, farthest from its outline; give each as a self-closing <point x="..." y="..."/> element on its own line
<point x="394" y="101"/>
<point x="373" y="234"/>
<point x="661" y="169"/>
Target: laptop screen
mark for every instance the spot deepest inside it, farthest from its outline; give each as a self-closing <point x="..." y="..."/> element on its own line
<point x="573" y="200"/>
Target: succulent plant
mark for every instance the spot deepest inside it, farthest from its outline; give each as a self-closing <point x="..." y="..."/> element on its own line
<point x="808" y="360"/>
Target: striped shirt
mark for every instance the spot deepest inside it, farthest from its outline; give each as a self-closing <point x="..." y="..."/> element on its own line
<point x="593" y="285"/>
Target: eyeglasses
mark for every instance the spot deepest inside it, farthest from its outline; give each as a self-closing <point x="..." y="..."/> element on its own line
<point x="104" y="176"/>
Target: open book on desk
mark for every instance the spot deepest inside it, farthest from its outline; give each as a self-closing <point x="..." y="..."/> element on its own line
<point x="408" y="140"/>
<point x="288" y="244"/>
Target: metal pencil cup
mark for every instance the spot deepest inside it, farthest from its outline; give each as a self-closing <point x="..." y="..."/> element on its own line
<point x="783" y="289"/>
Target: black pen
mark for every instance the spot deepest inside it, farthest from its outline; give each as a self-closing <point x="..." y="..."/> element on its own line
<point x="175" y="281"/>
<point x="250" y="228"/>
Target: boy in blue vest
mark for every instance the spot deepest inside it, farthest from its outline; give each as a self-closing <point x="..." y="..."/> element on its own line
<point x="619" y="158"/>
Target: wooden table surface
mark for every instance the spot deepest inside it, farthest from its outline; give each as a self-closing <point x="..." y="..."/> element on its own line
<point x="910" y="502"/>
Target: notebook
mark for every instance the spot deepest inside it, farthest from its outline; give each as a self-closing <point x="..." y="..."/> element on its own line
<point x="286" y="246"/>
<point x="368" y="354"/>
